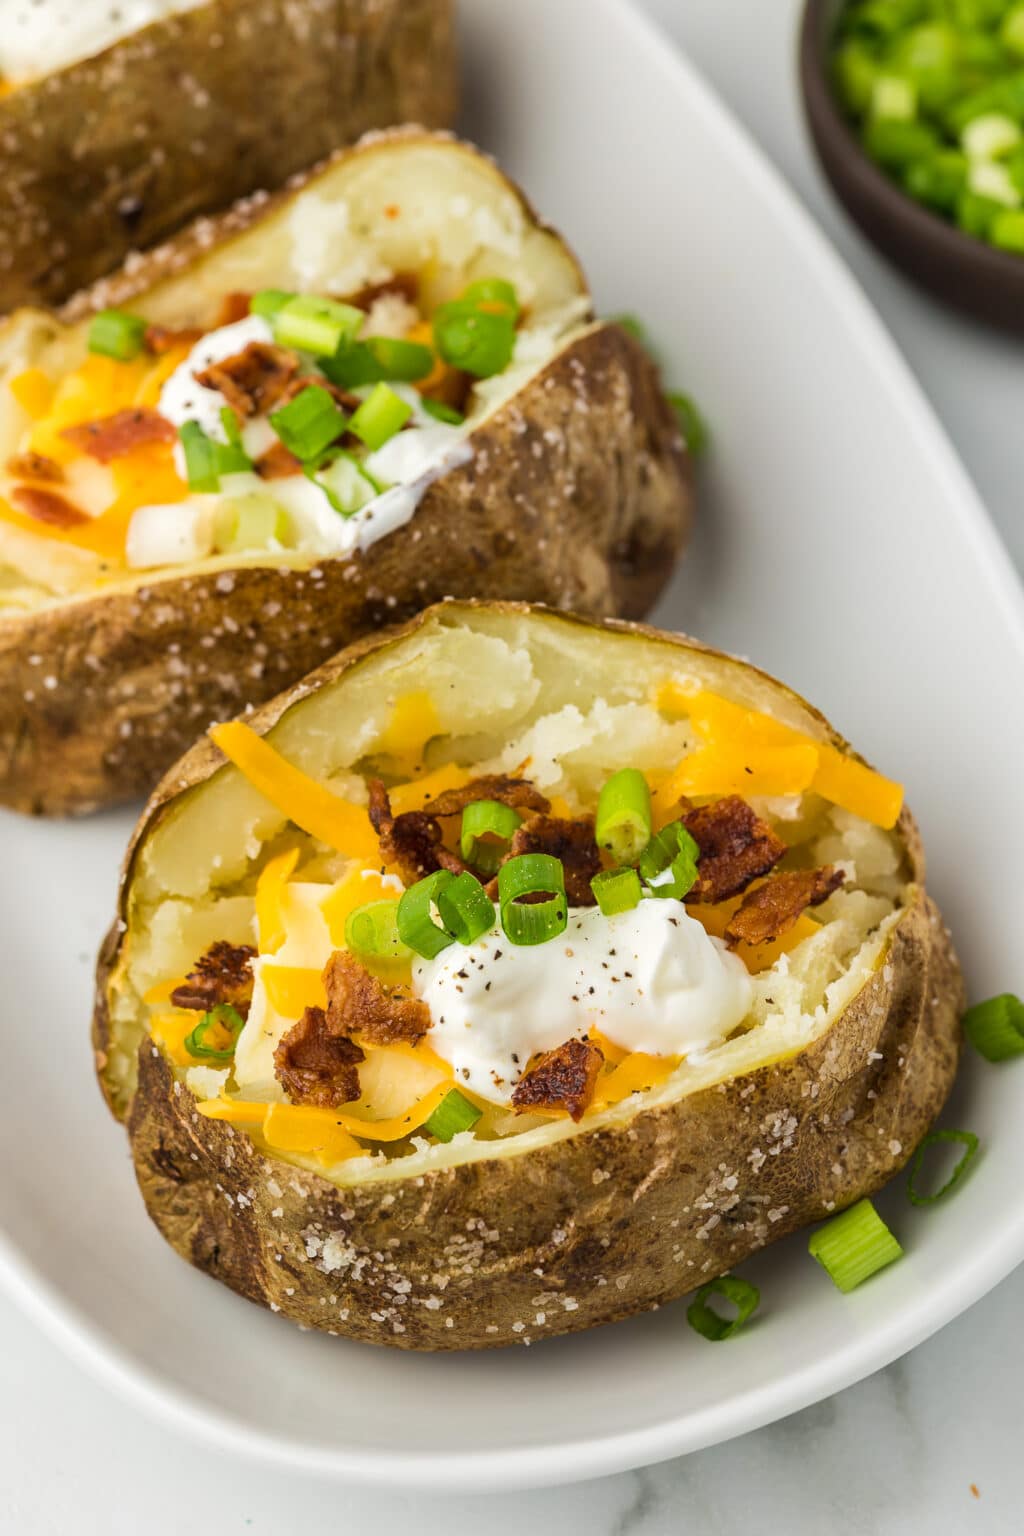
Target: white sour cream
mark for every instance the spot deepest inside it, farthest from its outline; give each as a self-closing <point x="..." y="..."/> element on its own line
<point x="651" y="980"/>
<point x="39" y="37"/>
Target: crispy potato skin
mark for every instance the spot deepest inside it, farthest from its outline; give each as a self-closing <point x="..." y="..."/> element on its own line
<point x="579" y="509"/>
<point x="179" y="120"/>
<point x="616" y="1221"/>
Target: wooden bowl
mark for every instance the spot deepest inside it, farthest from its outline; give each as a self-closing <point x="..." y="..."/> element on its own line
<point x="958" y="268"/>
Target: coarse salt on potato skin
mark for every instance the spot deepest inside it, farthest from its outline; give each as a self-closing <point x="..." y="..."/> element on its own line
<point x="583" y="1225"/>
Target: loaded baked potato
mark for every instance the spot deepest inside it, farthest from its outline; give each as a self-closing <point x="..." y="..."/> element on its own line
<point x="513" y="974"/>
<point x="121" y="123"/>
<point x="382" y="388"/>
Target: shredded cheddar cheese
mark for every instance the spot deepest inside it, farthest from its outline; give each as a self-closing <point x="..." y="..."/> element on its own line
<point x="270" y="921"/>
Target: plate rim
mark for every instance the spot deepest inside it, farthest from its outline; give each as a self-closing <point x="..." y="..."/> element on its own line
<point x="953" y="1293"/>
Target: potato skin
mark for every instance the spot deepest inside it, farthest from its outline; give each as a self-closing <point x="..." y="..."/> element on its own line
<point x="178" y="120"/>
<point x="579" y="509"/>
<point x="617" y="1220"/>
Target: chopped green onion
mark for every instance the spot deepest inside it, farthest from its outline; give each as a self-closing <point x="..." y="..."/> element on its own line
<point x="371" y="932"/>
<point x="617" y="890"/>
<point x="853" y="1246"/>
<point x="269" y="302"/>
<point x="996" y="1027"/>
<point x="309" y="423"/>
<point x="454" y="1114"/>
<point x="855" y="72"/>
<point x="1007" y="231"/>
<point x="416" y="925"/>
<point x="895" y="143"/>
<point x="465" y="907"/>
<point x="249" y="522"/>
<point x="114" y="333"/>
<point x="474" y="340"/>
<point x="668" y="865"/>
<point x="976" y="214"/>
<point x="1011" y="33"/>
<point x="202" y="460"/>
<point x="532" y="874"/>
<point x="970" y="1145"/>
<point x="315" y="325"/>
<point x="376" y="359"/>
<point x="709" y="1323"/>
<point x="938" y="181"/>
<point x="623" y="823"/>
<point x="487" y="829"/>
<point x="493" y="293"/>
<point x="893" y="99"/>
<point x="346" y="483"/>
<point x="223" y="1019"/>
<point x="232" y="428"/>
<point x="442" y="412"/>
<point x="691" y="423"/>
<point x="381" y="415"/>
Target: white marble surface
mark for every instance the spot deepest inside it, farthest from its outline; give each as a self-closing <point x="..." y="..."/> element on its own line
<point x="896" y="1455"/>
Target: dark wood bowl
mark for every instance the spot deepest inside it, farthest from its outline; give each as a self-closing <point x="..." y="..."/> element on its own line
<point x="958" y="268"/>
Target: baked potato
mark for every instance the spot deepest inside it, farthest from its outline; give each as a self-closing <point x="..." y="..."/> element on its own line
<point x="118" y="124"/>
<point x="172" y="550"/>
<point x="371" y="1085"/>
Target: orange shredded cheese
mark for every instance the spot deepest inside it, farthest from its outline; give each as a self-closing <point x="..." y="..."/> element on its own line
<point x="291" y="989"/>
<point x="274" y="876"/>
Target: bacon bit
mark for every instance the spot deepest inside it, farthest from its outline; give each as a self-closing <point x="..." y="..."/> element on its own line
<point x="572" y="842"/>
<point x="222" y="975"/>
<point x="404" y="285"/>
<point x="48" y="507"/>
<point x="160" y="339"/>
<point x="35" y="466"/>
<point x="253" y="380"/>
<point x="518" y="793"/>
<point x="233" y="307"/>
<point x="564" y="1078"/>
<point x="771" y="910"/>
<point x="316" y="1065"/>
<point x="342" y="397"/>
<point x="358" y="1003"/>
<point x="112" y="437"/>
<point x="736" y="847"/>
<point x="278" y="463"/>
<point x="411" y="841"/>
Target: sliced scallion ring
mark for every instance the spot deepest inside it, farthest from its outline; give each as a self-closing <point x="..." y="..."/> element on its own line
<point x="465" y="907"/>
<point x="309" y="423"/>
<point x="709" y="1323"/>
<point x="623" y="823"/>
<point x="269" y="302"/>
<point x="474" y="340"/>
<point x="454" y="1114"/>
<point x="488" y="827"/>
<point x="617" y="890"/>
<point x="114" y="333"/>
<point x="854" y="1245"/>
<point x="416" y="925"/>
<point x="532" y="874"/>
<point x="381" y="415"/>
<point x="494" y="294"/>
<point x="315" y="325"/>
<point x="970" y="1145"/>
<point x="216" y="1035"/>
<point x="668" y="865"/>
<point x="371" y="932"/>
<point x="996" y="1027"/>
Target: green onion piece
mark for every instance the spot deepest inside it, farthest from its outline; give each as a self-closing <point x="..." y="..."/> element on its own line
<point x="938" y="181"/>
<point x="269" y="302"/>
<point x="691" y="423"/>
<point x="851" y="1247"/>
<point x="113" y="333"/>
<point x="996" y="1027"/>
<point x="202" y="460"/>
<point x="1011" y="33"/>
<point x="249" y="522"/>
<point x="381" y="415"/>
<point x="315" y="325"/>
<point x="970" y="1146"/>
<point x="465" y="907"/>
<point x="668" y="865"/>
<point x="223" y="1019"/>
<point x="416" y="925"/>
<point x="894" y="143"/>
<point x="493" y="293"/>
<point x="371" y="931"/>
<point x="474" y="340"/>
<point x="487" y="829"/>
<point x="232" y="428"/>
<point x="309" y="423"/>
<point x="711" y="1324"/>
<point x="375" y="359"/>
<point x="617" y="890"/>
<point x="976" y="214"/>
<point x="623" y="823"/>
<point x="531" y="874"/>
<point x="346" y="483"/>
<point x="232" y="458"/>
<point x="855" y="70"/>
<point x="454" y="1114"/>
<point x="442" y="412"/>
<point x="1007" y="231"/>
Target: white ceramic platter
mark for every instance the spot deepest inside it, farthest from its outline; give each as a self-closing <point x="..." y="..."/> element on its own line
<point x="842" y="547"/>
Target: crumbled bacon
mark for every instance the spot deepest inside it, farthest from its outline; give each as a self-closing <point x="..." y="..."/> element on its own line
<point x="222" y="975"/>
<point x="342" y="397"/>
<point x="771" y="910"/>
<point x="564" y="1077"/>
<point x="316" y="1065"/>
<point x="47" y="507"/>
<point x="233" y="307"/>
<point x="278" y="463"/>
<point x="111" y="437"/>
<point x="518" y="793"/>
<point x="404" y="285"/>
<point x="572" y="841"/>
<point x="361" y="1004"/>
<point x="411" y="841"/>
<point x="160" y="339"/>
<point x="736" y="847"/>
<point x="254" y="380"/>
<point x="35" y="466"/>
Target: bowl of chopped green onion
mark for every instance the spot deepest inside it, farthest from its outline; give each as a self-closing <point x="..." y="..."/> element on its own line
<point x="916" y="110"/>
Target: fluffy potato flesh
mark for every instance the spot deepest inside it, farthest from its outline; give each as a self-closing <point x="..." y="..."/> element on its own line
<point x="846" y="1052"/>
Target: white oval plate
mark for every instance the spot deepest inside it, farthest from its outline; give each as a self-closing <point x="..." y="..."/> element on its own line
<point x="841" y="546"/>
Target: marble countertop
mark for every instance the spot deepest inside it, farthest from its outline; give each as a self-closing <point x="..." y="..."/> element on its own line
<point x="930" y="1444"/>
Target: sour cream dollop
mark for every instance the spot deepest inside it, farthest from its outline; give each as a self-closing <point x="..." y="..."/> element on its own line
<point x="651" y="980"/>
